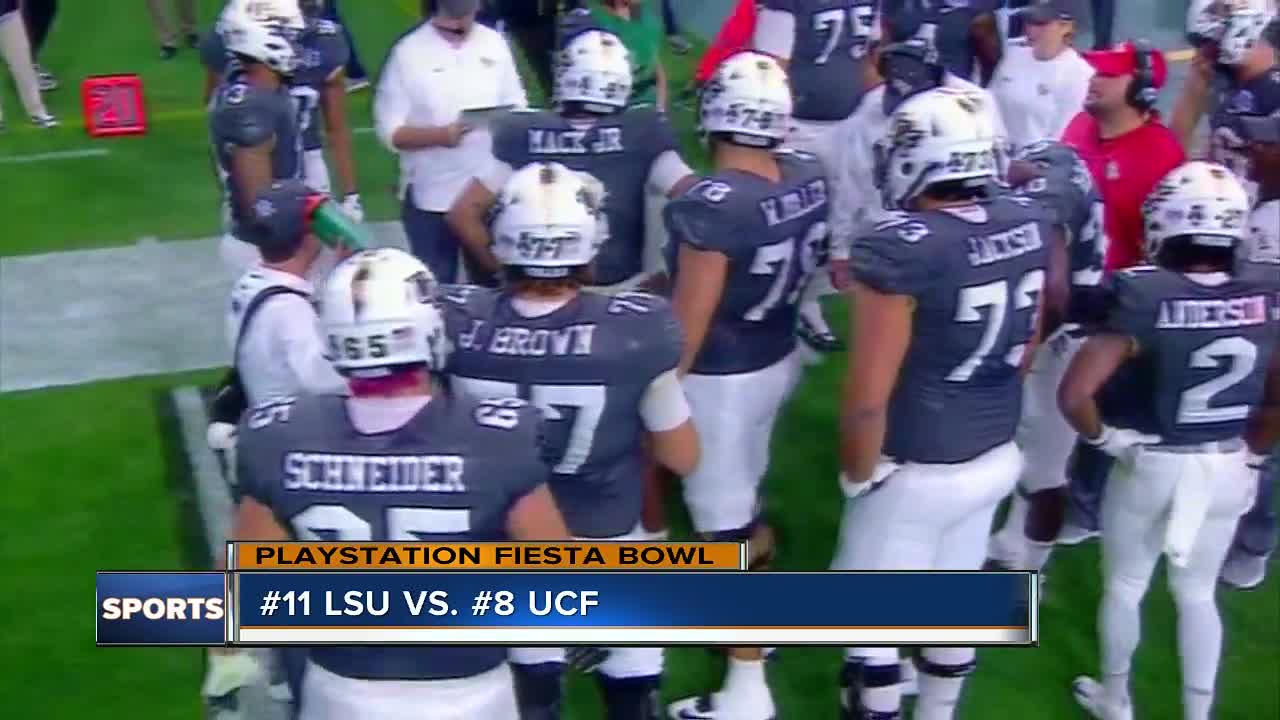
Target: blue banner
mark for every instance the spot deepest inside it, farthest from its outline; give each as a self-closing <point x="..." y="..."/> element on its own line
<point x="137" y="608"/>
<point x="639" y="608"/>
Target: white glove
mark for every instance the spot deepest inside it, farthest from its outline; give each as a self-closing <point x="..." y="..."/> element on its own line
<point x="882" y="471"/>
<point x="1257" y="462"/>
<point x="1120" y="442"/>
<point x="221" y="436"/>
<point x="352" y="207"/>
<point x="230" y="671"/>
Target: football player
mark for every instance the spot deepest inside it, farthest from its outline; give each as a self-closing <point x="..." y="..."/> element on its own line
<point x="947" y="292"/>
<point x="1205" y="329"/>
<point x="824" y="46"/>
<point x="603" y="371"/>
<point x="474" y="473"/>
<point x="1245" y="79"/>
<point x="1054" y="173"/>
<point x="745" y="241"/>
<point x="965" y="33"/>
<point x="252" y="120"/>
<point x="624" y="150"/>
<point x="318" y="89"/>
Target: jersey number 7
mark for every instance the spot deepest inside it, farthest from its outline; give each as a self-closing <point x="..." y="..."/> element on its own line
<point x="994" y="296"/>
<point x="583" y="404"/>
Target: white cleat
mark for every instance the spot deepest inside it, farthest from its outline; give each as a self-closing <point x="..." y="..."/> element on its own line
<point x="1244" y="571"/>
<point x="719" y="706"/>
<point x="1092" y="699"/>
<point x="910" y="681"/>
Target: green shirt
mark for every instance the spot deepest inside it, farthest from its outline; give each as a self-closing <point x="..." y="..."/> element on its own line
<point x="642" y="35"/>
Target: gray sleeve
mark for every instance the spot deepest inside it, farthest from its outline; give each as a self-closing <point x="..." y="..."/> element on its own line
<point x="213" y="52"/>
<point x="694" y="220"/>
<point x="1133" y="311"/>
<point x="334" y="52"/>
<point x="243" y="117"/>
<point x="253" y="462"/>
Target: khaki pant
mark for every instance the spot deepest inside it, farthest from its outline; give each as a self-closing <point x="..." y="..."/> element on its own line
<point x="16" y="50"/>
<point x="163" y="21"/>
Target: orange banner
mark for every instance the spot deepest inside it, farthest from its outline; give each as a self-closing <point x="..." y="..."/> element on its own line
<point x="594" y="556"/>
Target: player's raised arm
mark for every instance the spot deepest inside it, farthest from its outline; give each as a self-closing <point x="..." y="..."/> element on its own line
<point x="467" y="216"/>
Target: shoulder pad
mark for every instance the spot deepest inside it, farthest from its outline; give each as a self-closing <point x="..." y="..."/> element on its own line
<point x="634" y="303"/>
<point x="907" y="227"/>
<point x="709" y="191"/>
<point x="701" y="218"/>
<point x="892" y="259"/>
<point x="503" y="413"/>
<point x="653" y="328"/>
<point x="457" y="294"/>
<point x="241" y="116"/>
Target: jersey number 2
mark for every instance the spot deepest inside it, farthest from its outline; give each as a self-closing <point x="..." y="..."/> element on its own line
<point x="1241" y="356"/>
<point x="995" y="297"/>
<point x="404" y="524"/>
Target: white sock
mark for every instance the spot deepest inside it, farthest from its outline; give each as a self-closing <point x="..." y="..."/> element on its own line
<point x="745" y="677"/>
<point x="1121" y="627"/>
<point x="1008" y="544"/>
<point x="811" y="311"/>
<point x="1200" y="648"/>
<point x="938" y="697"/>
<point x="1115" y="689"/>
<point x="1035" y="554"/>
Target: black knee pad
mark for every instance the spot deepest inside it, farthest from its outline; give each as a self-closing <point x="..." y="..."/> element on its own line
<point x="856" y="675"/>
<point x="633" y="698"/>
<point x="928" y="667"/>
<point x="539" y="690"/>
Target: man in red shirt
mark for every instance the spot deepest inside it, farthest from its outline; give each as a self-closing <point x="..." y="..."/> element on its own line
<point x="1128" y="150"/>
<point x="1122" y="139"/>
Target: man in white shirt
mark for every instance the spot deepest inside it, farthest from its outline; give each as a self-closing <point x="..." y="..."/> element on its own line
<point x="1040" y="85"/>
<point x="443" y="68"/>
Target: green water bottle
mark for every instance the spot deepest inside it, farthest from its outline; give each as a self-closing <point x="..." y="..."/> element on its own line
<point x="335" y="228"/>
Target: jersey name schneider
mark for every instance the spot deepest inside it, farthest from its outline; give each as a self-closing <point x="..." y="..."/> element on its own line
<point x="324" y="472"/>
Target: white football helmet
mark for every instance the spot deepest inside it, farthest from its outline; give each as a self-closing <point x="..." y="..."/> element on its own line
<point x="380" y="310"/>
<point x="936" y="136"/>
<point x="748" y="98"/>
<point x="547" y="221"/>
<point x="1200" y="199"/>
<point x="285" y="14"/>
<point x="1235" y="26"/>
<point x="269" y="44"/>
<point x="594" y="69"/>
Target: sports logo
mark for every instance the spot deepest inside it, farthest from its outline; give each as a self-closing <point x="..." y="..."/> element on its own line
<point x="359" y="283"/>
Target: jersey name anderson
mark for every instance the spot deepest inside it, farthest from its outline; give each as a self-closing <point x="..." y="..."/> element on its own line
<point x="1213" y="314"/>
<point x="326" y="472"/>
<point x="570" y="340"/>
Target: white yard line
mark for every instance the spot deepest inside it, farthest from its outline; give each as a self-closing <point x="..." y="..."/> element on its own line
<point x="51" y="156"/>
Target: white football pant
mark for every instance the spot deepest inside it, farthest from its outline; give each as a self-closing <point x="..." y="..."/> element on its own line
<point x="326" y="696"/>
<point x="734" y="415"/>
<point x="1185" y="505"/>
<point x="1044" y="436"/>
<point x="621" y="662"/>
<point x="926" y="517"/>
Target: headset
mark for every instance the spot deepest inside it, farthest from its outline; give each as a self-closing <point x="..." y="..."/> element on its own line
<point x="1143" y="92"/>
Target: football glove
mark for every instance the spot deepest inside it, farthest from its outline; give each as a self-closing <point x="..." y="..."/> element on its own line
<point x="352" y="207"/>
<point x="585" y="659"/>
<point x="221" y="436"/>
<point x="1121" y="442"/>
<point x="882" y="471"/>
<point x="228" y="672"/>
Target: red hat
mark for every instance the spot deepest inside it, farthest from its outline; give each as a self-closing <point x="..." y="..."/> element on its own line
<point x="1123" y="60"/>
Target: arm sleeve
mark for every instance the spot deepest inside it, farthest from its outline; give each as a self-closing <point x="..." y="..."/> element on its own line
<point x="213" y="52"/>
<point x="775" y="31"/>
<point x="668" y="169"/>
<point x="303" y="349"/>
<point x="1131" y="312"/>
<point x="891" y="260"/>
<point x="664" y="406"/>
<point x="390" y="102"/>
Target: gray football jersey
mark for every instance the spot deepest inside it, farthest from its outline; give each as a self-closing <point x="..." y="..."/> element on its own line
<point x="1258" y="96"/>
<point x="324" y="51"/>
<point x="1206" y="348"/>
<point x="587" y="366"/>
<point x="947" y="25"/>
<point x="976" y="274"/>
<point x="451" y="474"/>
<point x="775" y="236"/>
<point x="831" y="42"/>
<point x="243" y="115"/>
<point x="618" y="150"/>
<point x="1073" y="202"/>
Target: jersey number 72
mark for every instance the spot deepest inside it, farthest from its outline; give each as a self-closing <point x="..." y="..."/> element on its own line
<point x="994" y="297"/>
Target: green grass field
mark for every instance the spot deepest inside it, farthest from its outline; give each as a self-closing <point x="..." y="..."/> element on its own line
<point x="94" y="479"/>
